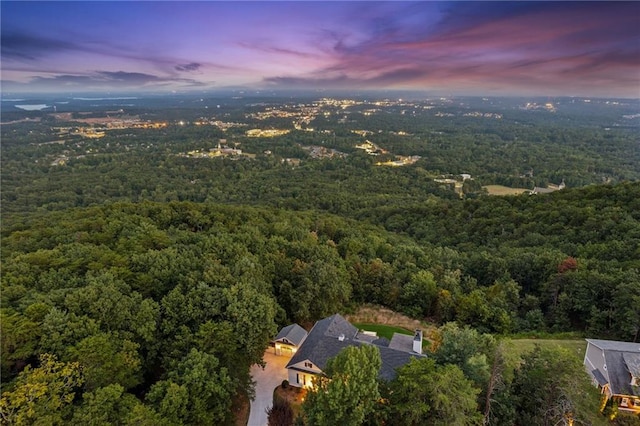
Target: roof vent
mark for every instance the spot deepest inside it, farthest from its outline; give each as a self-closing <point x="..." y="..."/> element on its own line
<point x="341" y="337"/>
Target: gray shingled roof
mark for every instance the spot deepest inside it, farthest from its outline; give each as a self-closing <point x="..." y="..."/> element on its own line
<point x="632" y="360"/>
<point x="613" y="345"/>
<point x="323" y="342"/>
<point x="599" y="377"/>
<point x="293" y="333"/>
<point x="616" y="355"/>
<point x="619" y="376"/>
<point x="401" y="342"/>
<point x="393" y="359"/>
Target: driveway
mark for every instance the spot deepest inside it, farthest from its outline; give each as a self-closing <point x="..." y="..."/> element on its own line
<point x="266" y="381"/>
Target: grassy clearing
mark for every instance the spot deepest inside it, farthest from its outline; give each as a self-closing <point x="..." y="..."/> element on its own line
<point x="575" y="346"/>
<point x="504" y="190"/>
<point x="373" y="314"/>
<point x="382" y="330"/>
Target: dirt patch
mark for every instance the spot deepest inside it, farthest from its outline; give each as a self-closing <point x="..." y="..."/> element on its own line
<point x="240" y="407"/>
<point x="379" y="315"/>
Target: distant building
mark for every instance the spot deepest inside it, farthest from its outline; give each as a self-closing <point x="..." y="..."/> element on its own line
<point x="550" y="188"/>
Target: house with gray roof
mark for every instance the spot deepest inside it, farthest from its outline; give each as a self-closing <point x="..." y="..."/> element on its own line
<point x="332" y="334"/>
<point x="289" y="340"/>
<point x="615" y="368"/>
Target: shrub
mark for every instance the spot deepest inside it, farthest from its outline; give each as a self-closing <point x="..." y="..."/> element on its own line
<point x="280" y="414"/>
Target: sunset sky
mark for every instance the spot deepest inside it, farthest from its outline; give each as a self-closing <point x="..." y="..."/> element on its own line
<point x="475" y="48"/>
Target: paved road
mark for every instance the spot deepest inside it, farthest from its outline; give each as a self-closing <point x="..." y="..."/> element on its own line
<point x="266" y="381"/>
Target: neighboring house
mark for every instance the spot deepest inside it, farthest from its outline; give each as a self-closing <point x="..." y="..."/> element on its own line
<point x="289" y="340"/>
<point x="330" y="335"/>
<point x="549" y="189"/>
<point x="615" y="368"/>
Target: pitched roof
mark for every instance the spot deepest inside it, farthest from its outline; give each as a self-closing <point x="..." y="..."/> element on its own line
<point x="620" y="360"/>
<point x="323" y="341"/>
<point x="393" y="359"/>
<point x="632" y="360"/>
<point x="599" y="377"/>
<point x="613" y="345"/>
<point x="293" y="333"/>
<point x="619" y="376"/>
<point x="332" y="334"/>
<point x="401" y="342"/>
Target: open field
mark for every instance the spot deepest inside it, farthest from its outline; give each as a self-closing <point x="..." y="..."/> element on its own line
<point x="575" y="346"/>
<point x="504" y="190"/>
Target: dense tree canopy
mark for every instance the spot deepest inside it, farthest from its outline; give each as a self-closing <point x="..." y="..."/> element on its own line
<point x="139" y="284"/>
<point x="349" y="392"/>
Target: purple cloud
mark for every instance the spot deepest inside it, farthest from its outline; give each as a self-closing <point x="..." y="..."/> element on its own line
<point x="192" y="66"/>
<point x="17" y="45"/>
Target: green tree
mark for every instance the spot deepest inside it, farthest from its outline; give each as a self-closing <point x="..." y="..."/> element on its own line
<point x="419" y="296"/>
<point x="18" y="340"/>
<point x="426" y="393"/>
<point x="43" y="394"/>
<point x="105" y="406"/>
<point x="197" y="391"/>
<point x="110" y="302"/>
<point x="467" y="349"/>
<point x="498" y="407"/>
<point x="170" y="400"/>
<point x="551" y="387"/>
<point x="320" y="286"/>
<point x="252" y="315"/>
<point x="349" y="391"/>
<point x="62" y="330"/>
<point x="106" y="359"/>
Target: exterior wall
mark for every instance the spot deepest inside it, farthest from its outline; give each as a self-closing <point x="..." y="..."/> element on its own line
<point x="629" y="403"/>
<point x="302" y="373"/>
<point x="300" y="379"/>
<point x="594" y="358"/>
<point x="283" y="349"/>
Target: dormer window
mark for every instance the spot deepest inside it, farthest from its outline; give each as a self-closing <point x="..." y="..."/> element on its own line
<point x="635" y="381"/>
<point x="308" y="365"/>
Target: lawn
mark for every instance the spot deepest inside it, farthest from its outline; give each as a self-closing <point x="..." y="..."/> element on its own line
<point x="503" y="190"/>
<point x="575" y="346"/>
<point x="382" y="330"/>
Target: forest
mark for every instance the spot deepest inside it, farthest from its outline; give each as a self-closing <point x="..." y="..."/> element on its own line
<point x="139" y="286"/>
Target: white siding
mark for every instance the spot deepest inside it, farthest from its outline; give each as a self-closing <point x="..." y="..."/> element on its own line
<point x="307" y="365"/>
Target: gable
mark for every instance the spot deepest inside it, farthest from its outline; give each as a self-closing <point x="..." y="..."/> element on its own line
<point x="331" y="335"/>
<point x="633" y="363"/>
<point x="305" y="365"/>
<point x="614" y="363"/>
<point x="291" y="335"/>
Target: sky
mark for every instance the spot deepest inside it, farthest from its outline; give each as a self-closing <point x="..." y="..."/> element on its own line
<point x="467" y="48"/>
